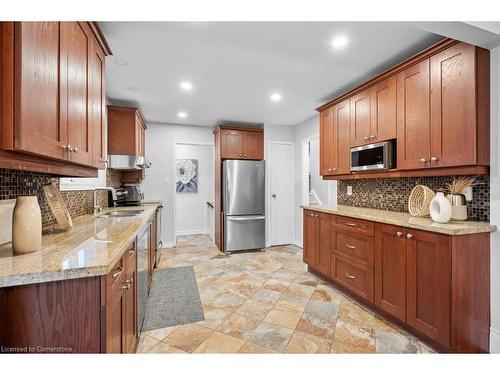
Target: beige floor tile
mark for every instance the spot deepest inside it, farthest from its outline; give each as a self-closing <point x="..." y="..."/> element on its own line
<point x="214" y="317"/>
<point x="303" y="343"/>
<point x="250" y="348"/>
<point x="284" y="275"/>
<point x="306" y="278"/>
<point x="326" y="293"/>
<point x="347" y="348"/>
<point x="266" y="295"/>
<point x="146" y="343"/>
<point x="283" y="318"/>
<point x="242" y="289"/>
<point x="301" y="290"/>
<point x="394" y="343"/>
<point x="271" y="336"/>
<point x="255" y="309"/>
<point x="355" y="338"/>
<point x="276" y="285"/>
<point x="188" y="337"/>
<point x="163" y="347"/>
<point x="319" y="319"/>
<point x="229" y="301"/>
<point x="290" y="301"/>
<point x="220" y="343"/>
<point x="161" y="333"/>
<point x="239" y="326"/>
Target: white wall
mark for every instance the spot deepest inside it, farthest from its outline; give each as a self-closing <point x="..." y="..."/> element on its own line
<point x="159" y="183"/>
<point x="191" y="208"/>
<point x="495" y="199"/>
<point x="304" y="130"/>
<point x="319" y="185"/>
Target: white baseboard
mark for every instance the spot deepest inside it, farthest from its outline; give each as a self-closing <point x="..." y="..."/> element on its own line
<point x="494" y="340"/>
<point x="168" y="245"/>
<point x="190" y="232"/>
<point x="298" y="244"/>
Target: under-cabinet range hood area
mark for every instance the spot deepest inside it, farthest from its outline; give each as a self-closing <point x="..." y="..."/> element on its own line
<point x="128" y="162"/>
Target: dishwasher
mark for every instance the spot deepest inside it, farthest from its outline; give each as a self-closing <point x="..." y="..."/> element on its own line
<point x="142" y="276"/>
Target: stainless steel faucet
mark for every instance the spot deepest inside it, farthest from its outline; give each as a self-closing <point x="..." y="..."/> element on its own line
<point x="97" y="208"/>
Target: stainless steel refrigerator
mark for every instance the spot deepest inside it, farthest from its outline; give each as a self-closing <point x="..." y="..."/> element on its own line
<point x="243" y="197"/>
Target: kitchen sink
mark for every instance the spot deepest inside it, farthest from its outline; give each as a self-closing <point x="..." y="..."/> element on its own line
<point x="124" y="213"/>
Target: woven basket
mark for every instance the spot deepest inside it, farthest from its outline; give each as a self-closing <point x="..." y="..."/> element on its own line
<point x="419" y="200"/>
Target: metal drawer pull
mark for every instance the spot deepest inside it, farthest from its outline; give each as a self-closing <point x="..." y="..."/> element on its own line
<point x="350" y="224"/>
<point x="118" y="273"/>
<point x="350" y="276"/>
<point x="126" y="286"/>
<point x="350" y="246"/>
<point x="131" y="251"/>
<point x="399" y="234"/>
<point x="409" y="236"/>
<point x="423" y="160"/>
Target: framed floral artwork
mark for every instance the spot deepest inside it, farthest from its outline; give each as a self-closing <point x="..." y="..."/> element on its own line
<point x="186" y="175"/>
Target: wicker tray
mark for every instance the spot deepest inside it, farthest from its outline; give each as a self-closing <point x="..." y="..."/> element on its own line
<point x="419" y="200"/>
<point x="57" y="206"/>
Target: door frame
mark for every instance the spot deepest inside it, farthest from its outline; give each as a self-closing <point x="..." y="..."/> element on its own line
<point x="174" y="201"/>
<point x="268" y="188"/>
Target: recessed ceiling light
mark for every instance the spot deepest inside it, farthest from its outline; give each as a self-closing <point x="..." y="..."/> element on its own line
<point x="133" y="89"/>
<point x="186" y="86"/>
<point x="121" y="62"/>
<point x="182" y="114"/>
<point x="340" y="41"/>
<point x="276" y="97"/>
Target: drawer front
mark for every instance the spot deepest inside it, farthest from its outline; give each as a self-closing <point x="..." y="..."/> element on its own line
<point x="356" y="225"/>
<point x="353" y="277"/>
<point x="355" y="247"/>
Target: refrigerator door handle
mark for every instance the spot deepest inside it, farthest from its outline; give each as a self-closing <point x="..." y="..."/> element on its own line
<point x="257" y="217"/>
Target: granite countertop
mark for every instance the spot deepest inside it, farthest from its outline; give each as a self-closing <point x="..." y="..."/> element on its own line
<point x="91" y="248"/>
<point x="406" y="220"/>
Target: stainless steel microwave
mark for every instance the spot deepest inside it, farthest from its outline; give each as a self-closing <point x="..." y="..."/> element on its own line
<point x="375" y="156"/>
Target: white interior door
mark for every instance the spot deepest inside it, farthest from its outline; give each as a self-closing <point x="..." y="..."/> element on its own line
<point x="281" y="193"/>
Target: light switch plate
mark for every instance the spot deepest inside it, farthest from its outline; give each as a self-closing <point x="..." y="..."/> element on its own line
<point x="349" y="190"/>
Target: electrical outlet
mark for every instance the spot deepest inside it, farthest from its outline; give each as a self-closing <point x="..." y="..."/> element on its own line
<point x="468" y="193"/>
<point x="349" y="190"/>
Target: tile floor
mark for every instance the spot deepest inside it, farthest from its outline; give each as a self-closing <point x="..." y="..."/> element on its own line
<point x="267" y="302"/>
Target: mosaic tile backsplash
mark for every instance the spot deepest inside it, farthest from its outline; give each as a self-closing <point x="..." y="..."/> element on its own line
<point x="14" y="183"/>
<point x="392" y="194"/>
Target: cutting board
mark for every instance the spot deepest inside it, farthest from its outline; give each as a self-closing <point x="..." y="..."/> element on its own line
<point x="6" y="209"/>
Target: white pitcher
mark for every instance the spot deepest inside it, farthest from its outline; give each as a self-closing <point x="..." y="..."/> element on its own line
<point x="440" y="208"/>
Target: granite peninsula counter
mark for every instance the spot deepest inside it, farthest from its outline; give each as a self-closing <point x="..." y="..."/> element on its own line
<point x="90" y="248"/>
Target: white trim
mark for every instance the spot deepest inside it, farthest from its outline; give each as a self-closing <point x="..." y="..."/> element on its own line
<point x="298" y="244"/>
<point x="190" y="232"/>
<point x="174" y="203"/>
<point x="494" y="340"/>
<point x="168" y="245"/>
<point x="83" y="183"/>
<point x="268" y="167"/>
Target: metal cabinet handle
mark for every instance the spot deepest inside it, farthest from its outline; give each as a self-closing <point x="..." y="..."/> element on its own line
<point x="366" y="138"/>
<point x="372" y="136"/>
<point x="75" y="149"/>
<point x="409" y="236"/>
<point x="399" y="234"/>
<point x="126" y="285"/>
<point x="350" y="224"/>
<point x="118" y="273"/>
<point x="245" y="155"/>
<point x="131" y="251"/>
<point x="350" y="276"/>
<point x="330" y="169"/>
<point x="350" y="246"/>
<point x="241" y="155"/>
<point x="434" y="158"/>
<point x="423" y="160"/>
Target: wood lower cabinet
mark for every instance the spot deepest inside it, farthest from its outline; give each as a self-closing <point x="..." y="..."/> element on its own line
<point x="429" y="284"/>
<point x="317" y="240"/>
<point x="435" y="285"/>
<point x="49" y="96"/>
<point x="390" y="270"/>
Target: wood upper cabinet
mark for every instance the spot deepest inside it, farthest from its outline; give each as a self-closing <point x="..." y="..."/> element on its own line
<point x="76" y="89"/>
<point x="413" y="115"/>
<point x="310" y="239"/>
<point x="429" y="284"/>
<point x="390" y="269"/>
<point x="453" y="107"/>
<point x="242" y="143"/>
<point x="52" y="92"/>
<point x="361" y="116"/>
<point x="383" y="110"/>
<point x="335" y="140"/>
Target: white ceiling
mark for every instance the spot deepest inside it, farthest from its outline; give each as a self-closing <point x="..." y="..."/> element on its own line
<point x="234" y="67"/>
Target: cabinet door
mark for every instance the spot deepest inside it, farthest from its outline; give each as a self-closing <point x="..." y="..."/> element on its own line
<point x="38" y="128"/>
<point x="453" y="107"/>
<point x="98" y="103"/>
<point x="390" y="270"/>
<point x="139" y="136"/>
<point x="115" y="324"/>
<point x="342" y="143"/>
<point x="361" y="118"/>
<point x="327" y="142"/>
<point x="310" y="239"/>
<point x="130" y="304"/>
<point x="383" y="107"/>
<point x="253" y="145"/>
<point x="324" y="243"/>
<point x="75" y="101"/>
<point x="231" y="144"/>
<point x="429" y="284"/>
<point x="413" y="117"/>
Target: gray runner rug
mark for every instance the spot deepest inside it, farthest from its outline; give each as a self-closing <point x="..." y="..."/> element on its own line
<point x="174" y="299"/>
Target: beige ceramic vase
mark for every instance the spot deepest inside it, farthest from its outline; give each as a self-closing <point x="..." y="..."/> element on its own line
<point x="26" y="226"/>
